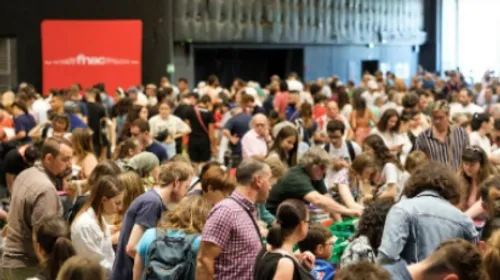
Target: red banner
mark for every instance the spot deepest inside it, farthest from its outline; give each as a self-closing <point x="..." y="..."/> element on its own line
<point x="90" y="52"/>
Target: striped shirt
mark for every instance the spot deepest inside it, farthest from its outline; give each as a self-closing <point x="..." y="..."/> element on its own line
<point x="439" y="151"/>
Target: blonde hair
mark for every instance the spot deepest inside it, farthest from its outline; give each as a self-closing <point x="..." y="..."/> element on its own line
<point x="81" y="141"/>
<point x="189" y="216"/>
<point x="81" y="268"/>
<point x="133" y="188"/>
<point x="172" y="171"/>
<point x="278" y="168"/>
<point x="414" y="160"/>
<point x="491" y="257"/>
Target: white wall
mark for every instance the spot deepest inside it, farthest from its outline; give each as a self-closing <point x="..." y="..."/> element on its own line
<point x="449" y="35"/>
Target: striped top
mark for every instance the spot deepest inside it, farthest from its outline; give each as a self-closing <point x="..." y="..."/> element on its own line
<point x="439" y="151"/>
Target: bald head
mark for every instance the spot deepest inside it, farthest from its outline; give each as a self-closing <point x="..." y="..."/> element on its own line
<point x="332" y="109"/>
<point x="259" y="124"/>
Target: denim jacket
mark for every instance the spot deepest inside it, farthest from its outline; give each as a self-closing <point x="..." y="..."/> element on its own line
<point x="415" y="227"/>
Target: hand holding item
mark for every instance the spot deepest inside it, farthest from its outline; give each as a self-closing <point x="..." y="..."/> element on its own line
<point x="307" y="259"/>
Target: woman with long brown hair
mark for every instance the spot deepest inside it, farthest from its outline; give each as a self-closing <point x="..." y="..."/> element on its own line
<point x="356" y="184"/>
<point x="360" y="119"/>
<point x="132" y="188"/>
<point x="474" y="170"/>
<point x="185" y="221"/>
<point x="393" y="176"/>
<point x="90" y="233"/>
<point x="285" y="146"/>
<point x="306" y="125"/>
<point x="84" y="160"/>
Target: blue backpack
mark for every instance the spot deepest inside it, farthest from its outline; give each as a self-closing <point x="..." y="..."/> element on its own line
<point x="170" y="258"/>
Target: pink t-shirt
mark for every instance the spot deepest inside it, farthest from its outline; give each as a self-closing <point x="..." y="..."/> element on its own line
<point x="280" y="102"/>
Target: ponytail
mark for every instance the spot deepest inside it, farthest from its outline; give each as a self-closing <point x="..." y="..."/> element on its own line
<point x="290" y="214"/>
<point x="275" y="236"/>
<point x="62" y="250"/>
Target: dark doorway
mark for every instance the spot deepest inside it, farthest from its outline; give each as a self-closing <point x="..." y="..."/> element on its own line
<point x="248" y="64"/>
<point x="370" y="66"/>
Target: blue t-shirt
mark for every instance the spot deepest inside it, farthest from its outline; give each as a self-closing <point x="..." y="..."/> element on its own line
<point x="238" y="126"/>
<point x="145" y="211"/>
<point x="158" y="150"/>
<point x="323" y="270"/>
<point x="398" y="271"/>
<point x="291" y="113"/>
<point x="75" y="122"/>
<point x="150" y="235"/>
<point x="24" y="122"/>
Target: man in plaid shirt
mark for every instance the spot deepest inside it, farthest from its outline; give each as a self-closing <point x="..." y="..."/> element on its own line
<point x="231" y="239"/>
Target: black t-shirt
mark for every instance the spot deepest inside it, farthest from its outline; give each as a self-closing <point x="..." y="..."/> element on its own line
<point x="96" y="113"/>
<point x="181" y="110"/>
<point x="197" y="130"/>
<point x="14" y="163"/>
<point x="295" y="184"/>
<point x="267" y="262"/>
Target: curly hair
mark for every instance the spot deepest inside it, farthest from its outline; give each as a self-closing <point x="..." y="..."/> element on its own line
<point x="459" y="257"/>
<point x="381" y="152"/>
<point x="436" y="177"/>
<point x="371" y="224"/>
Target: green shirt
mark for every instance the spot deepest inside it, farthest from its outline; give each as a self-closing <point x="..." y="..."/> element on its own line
<point x="295" y="184"/>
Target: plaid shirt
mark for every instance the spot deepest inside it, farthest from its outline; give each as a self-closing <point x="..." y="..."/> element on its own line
<point x="230" y="228"/>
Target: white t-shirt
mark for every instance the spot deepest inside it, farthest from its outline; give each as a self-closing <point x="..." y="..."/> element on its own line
<point x="395" y="139"/>
<point x="391" y="174"/>
<point x="340" y="153"/>
<point x="482" y="141"/>
<point x="173" y="124"/>
<point x="343" y="151"/>
<point x="456" y="108"/>
<point x="370" y="98"/>
<point x="142" y="99"/>
<point x="40" y="108"/>
<point x="346" y="111"/>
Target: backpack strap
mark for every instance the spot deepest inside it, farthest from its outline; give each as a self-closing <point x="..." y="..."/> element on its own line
<point x="350" y="149"/>
<point x="200" y="119"/>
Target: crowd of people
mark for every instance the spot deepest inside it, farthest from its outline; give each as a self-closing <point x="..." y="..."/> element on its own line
<point x="246" y="182"/>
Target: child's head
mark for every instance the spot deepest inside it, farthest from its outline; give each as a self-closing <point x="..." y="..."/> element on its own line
<point x="318" y="241"/>
<point x="371" y="224"/>
<point x="82" y="268"/>
<point x="363" y="270"/>
<point x="415" y="159"/>
<point x="278" y="169"/>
